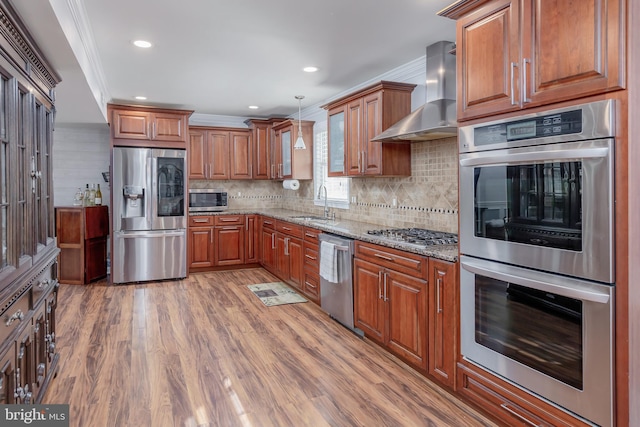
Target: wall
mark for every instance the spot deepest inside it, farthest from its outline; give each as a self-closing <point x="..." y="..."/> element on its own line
<point x="426" y="199"/>
<point x="80" y="155"/>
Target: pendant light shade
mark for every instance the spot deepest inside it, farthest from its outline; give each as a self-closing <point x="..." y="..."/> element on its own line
<point x="299" y="145"/>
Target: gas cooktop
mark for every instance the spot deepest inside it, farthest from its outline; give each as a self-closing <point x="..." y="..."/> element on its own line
<point x="416" y="236"/>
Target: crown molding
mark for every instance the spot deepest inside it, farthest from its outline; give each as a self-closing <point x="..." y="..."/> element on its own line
<point x="75" y="24"/>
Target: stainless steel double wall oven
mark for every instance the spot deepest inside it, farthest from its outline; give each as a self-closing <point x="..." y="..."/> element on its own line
<point x="537" y="254"/>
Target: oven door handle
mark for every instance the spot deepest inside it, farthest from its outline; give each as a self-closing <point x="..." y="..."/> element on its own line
<point x="560" y="285"/>
<point x="537" y="156"/>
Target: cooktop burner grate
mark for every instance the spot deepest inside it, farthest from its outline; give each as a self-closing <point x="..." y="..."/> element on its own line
<point x="416" y="236"/>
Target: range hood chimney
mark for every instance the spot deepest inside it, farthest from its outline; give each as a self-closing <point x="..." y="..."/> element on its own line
<point x="437" y="118"/>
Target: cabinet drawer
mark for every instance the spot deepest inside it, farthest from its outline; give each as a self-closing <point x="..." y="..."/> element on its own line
<point x="200" y="221"/>
<point x="394" y="259"/>
<point x="290" y="229"/>
<point x="229" y="220"/>
<point x="311" y="256"/>
<point x="508" y="406"/>
<point x="15" y="311"/>
<point x="43" y="283"/>
<point x="269" y="223"/>
<point x="311" y="234"/>
<point x="312" y="285"/>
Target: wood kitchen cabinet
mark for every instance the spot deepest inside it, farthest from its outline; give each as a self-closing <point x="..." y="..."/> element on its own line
<point x="139" y="126"/>
<point x="268" y="248"/>
<point x="263" y="141"/>
<point x="252" y="242"/>
<point x="290" y="253"/>
<point x="443" y="320"/>
<point x="289" y="163"/>
<point x="220" y="153"/>
<point x="515" y="54"/>
<point x="229" y="239"/>
<point x="311" y="247"/>
<point x="82" y="238"/>
<point x="390" y="300"/>
<point x="355" y="119"/>
<point x="200" y="237"/>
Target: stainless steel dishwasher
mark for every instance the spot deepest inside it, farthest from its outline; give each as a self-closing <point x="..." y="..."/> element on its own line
<point x="336" y="278"/>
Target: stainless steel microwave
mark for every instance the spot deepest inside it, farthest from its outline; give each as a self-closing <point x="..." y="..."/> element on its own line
<point x="207" y="200"/>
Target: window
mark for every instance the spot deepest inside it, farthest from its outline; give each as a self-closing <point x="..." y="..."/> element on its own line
<point x="337" y="188"/>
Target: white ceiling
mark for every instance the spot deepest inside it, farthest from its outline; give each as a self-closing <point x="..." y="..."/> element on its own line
<point x="219" y="57"/>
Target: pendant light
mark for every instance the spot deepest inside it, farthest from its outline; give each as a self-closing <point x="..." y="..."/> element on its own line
<point x="299" y="145"/>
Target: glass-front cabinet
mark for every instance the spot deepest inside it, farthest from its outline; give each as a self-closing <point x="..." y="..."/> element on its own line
<point x="336" y="159"/>
<point x="286" y="154"/>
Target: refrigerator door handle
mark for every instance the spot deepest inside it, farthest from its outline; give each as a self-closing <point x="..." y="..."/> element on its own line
<point x="139" y="234"/>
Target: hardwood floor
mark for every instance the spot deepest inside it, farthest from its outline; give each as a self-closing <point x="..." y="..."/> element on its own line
<point x="206" y="352"/>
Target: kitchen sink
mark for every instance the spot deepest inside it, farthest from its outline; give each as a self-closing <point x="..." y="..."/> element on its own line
<point x="309" y="218"/>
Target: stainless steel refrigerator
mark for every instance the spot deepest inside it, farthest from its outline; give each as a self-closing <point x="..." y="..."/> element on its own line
<point x="149" y="214"/>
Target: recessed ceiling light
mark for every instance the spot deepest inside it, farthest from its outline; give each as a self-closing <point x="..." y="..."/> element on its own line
<point x="141" y="98"/>
<point x="253" y="107"/>
<point x="142" y="43"/>
<point x="310" y="69"/>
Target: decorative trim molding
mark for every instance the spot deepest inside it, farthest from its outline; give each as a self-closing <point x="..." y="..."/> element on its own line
<point x="75" y="24"/>
<point x="200" y="119"/>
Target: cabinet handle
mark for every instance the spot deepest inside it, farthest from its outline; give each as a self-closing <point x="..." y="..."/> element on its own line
<point x="286" y="246"/>
<point x="273" y="170"/>
<point x="250" y="171"/>
<point x="229" y="219"/>
<point x="43" y="284"/>
<point x="310" y="257"/>
<point x="525" y="61"/>
<point x="286" y="228"/>
<point x="386" y="298"/>
<point x="524" y="419"/>
<point x="359" y="163"/>
<point x="438" y="285"/>
<point x="364" y="161"/>
<point x="313" y="236"/>
<point x="153" y="130"/>
<point x="513" y="95"/>
<point x="380" y="284"/>
<point x="310" y="285"/>
<point x="386" y="258"/>
<point x="212" y="233"/>
<point x="199" y="221"/>
<point x="18" y="315"/>
<point x="273" y="240"/>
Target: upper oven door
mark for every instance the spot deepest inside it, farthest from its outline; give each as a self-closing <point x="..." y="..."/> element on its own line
<point x="547" y="207"/>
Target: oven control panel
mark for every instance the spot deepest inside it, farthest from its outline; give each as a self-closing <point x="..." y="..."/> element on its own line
<point x="564" y="123"/>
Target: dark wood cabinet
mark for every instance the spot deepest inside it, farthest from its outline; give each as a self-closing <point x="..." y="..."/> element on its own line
<point x="263" y="141"/>
<point x="290" y="163"/>
<point x="268" y="245"/>
<point x="82" y="238"/>
<point x="137" y="126"/>
<point x="354" y="120"/>
<point x="311" y="247"/>
<point x="443" y="320"/>
<point x="536" y="58"/>
<point x="390" y="300"/>
<point x="201" y="253"/>
<point x="29" y="255"/>
<point x="229" y="239"/>
<point x="252" y="239"/>
<point x="220" y="153"/>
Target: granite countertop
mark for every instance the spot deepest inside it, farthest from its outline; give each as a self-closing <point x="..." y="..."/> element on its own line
<point x="352" y="229"/>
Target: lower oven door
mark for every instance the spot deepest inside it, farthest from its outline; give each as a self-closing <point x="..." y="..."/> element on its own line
<point x="549" y="334"/>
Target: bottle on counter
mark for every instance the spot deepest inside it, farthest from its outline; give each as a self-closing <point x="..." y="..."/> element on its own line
<point x="78" y="199"/>
<point x="98" y="199"/>
<point x="92" y="195"/>
<point x="87" y="196"/>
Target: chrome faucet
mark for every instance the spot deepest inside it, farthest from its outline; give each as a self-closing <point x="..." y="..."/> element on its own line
<point x="326" y="207"/>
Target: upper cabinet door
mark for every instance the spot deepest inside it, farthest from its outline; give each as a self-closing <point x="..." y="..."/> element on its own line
<point x="557" y="65"/>
<point x="241" y="165"/>
<point x="488" y="60"/>
<point x="197" y="155"/>
<point x="355" y="149"/>
<point x="131" y="124"/>
<point x="218" y="154"/>
<point x="168" y="127"/>
<point x="337" y="129"/>
<point x="372" y="126"/>
<point x="286" y="153"/>
<point x="516" y="54"/>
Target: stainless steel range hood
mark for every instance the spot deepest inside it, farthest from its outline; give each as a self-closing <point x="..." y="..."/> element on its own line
<point x="437" y="118"/>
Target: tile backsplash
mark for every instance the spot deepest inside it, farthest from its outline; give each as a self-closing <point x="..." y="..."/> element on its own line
<point x="426" y="199"/>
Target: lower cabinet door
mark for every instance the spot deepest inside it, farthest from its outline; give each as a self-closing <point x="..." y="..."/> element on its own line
<point x="201" y="247"/>
<point x="443" y="321"/>
<point x="8" y="376"/>
<point x="406" y="306"/>
<point x="296" y="263"/>
<point x="229" y="245"/>
<point x="369" y="313"/>
<point x="268" y="250"/>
